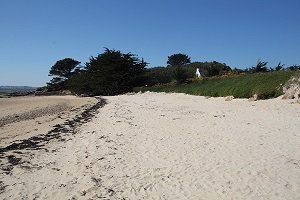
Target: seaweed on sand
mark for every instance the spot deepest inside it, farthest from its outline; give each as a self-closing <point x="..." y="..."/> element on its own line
<point x="39" y="141"/>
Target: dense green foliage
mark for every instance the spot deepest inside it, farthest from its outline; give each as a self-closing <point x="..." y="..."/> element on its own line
<point x="176" y="62"/>
<point x="79" y="83"/>
<point x="265" y="85"/>
<point x="64" y="68"/>
<point x="114" y="72"/>
<point x="260" y="67"/>
<point x="207" y="69"/>
<point x="293" y="68"/>
<point x="158" y="75"/>
<point x="180" y="74"/>
<point x="178" y="59"/>
<point x="110" y="73"/>
<point x="62" y="71"/>
<point x="162" y="75"/>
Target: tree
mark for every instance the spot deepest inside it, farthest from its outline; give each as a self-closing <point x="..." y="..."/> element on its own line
<point x="64" y="68"/>
<point x="56" y="84"/>
<point x="180" y="74"/>
<point x="206" y="69"/>
<point x="260" y="67"/>
<point x="62" y="71"/>
<point x="78" y="83"/>
<point x="279" y="67"/>
<point x="217" y="69"/>
<point x="294" y="67"/>
<point x="158" y="75"/>
<point x="178" y="59"/>
<point x="113" y="72"/>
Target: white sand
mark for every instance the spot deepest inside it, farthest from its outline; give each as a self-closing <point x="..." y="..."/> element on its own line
<point x="170" y="146"/>
<point x="23" y="117"/>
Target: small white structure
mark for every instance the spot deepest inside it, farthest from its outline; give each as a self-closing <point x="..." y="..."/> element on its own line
<point x="198" y="75"/>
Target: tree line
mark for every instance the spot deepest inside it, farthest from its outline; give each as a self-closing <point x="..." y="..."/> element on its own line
<point x="113" y="72"/>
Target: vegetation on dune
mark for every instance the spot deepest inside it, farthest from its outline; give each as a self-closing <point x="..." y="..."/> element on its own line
<point x="62" y="70"/>
<point x="178" y="59"/>
<point x="158" y="75"/>
<point x="180" y="73"/>
<point x="265" y="85"/>
<point x="109" y="73"/>
<point x="113" y="72"/>
<point x="176" y="63"/>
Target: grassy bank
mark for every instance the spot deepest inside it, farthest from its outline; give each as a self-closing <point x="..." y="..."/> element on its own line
<point x="265" y="85"/>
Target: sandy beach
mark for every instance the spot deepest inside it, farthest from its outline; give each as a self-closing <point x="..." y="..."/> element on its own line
<point x="149" y="146"/>
<point x="23" y="117"/>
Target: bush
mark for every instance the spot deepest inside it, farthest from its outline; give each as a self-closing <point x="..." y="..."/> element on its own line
<point x="110" y="73"/>
<point x="158" y="75"/>
<point x="265" y="85"/>
<point x="180" y="74"/>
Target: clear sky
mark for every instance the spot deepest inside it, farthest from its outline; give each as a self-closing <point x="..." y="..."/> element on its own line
<point x="34" y="34"/>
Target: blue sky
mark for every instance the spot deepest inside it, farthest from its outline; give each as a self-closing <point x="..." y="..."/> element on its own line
<point x="34" y="34"/>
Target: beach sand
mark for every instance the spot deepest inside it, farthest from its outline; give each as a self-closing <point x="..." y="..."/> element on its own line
<point x="161" y="146"/>
<point x="23" y="117"/>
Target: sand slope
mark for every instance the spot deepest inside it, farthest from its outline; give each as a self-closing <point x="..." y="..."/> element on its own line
<point x="169" y="146"/>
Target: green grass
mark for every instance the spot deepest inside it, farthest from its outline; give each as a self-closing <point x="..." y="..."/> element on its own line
<point x="265" y="85"/>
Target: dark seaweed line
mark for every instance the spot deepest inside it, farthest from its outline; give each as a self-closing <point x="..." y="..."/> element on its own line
<point x="31" y="114"/>
<point x="37" y="142"/>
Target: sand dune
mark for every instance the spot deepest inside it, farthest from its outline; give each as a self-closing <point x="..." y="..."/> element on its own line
<point x="166" y="146"/>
